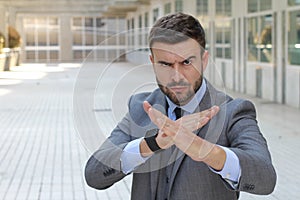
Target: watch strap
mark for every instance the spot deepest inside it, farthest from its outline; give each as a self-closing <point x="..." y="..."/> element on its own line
<point x="151" y="140"/>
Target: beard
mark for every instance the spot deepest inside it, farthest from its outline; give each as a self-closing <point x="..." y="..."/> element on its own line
<point x="180" y="99"/>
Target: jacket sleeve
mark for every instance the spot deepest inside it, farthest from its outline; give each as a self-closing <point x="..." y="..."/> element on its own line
<point x="258" y="175"/>
<point x="103" y="168"/>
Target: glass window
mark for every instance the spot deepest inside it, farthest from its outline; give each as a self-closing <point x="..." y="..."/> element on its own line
<point x="99" y="22"/>
<point x="29" y="21"/>
<point x="223" y="38"/>
<point x="77" y="21"/>
<point x="219" y="34"/>
<point x="77" y="38"/>
<point x="155" y="14"/>
<point x="53" y="21"/>
<point x="111" y="25"/>
<point x="227" y="7"/>
<point x="252" y="6"/>
<point x="140" y="21"/>
<point x="259" y="5"/>
<point x="132" y="23"/>
<point x="294" y="38"/>
<point x="227" y="52"/>
<point x="219" y="52"/>
<point x="253" y="35"/>
<point x="30" y="55"/>
<point x="146" y="21"/>
<point x="89" y="22"/>
<point x="223" y="7"/>
<point x="260" y="38"/>
<point x="167" y="8"/>
<point x="42" y="37"/>
<point x="266" y="38"/>
<point x="41" y="21"/>
<point x="89" y="38"/>
<point x="140" y="30"/>
<point x="42" y="55"/>
<point x="41" y="32"/>
<point x="53" y="37"/>
<point x="202" y="7"/>
<point x="265" y="5"/>
<point x="54" y="55"/>
<point x="30" y="39"/>
<point x="293" y="2"/>
<point x="219" y="5"/>
<point x="128" y="24"/>
<point x="178" y="6"/>
<point x="78" y="54"/>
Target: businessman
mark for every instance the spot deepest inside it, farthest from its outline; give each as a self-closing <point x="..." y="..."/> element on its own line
<point x="185" y="140"/>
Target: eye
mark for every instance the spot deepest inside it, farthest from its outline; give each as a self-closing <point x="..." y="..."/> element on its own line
<point x="165" y="64"/>
<point x="187" y="62"/>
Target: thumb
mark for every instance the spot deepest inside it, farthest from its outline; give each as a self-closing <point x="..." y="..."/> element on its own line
<point x="146" y="106"/>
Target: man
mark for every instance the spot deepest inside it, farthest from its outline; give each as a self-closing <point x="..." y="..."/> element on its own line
<point x="185" y="140"/>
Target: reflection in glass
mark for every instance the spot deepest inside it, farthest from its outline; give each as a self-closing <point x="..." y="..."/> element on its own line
<point x="178" y="6"/>
<point x="252" y="6"/>
<point x="223" y="38"/>
<point x="260" y="38"/>
<point x="293" y="2"/>
<point x="167" y="8"/>
<point x="294" y="38"/>
<point x="202" y="7"/>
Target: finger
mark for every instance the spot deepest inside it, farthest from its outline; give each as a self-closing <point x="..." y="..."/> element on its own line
<point x="158" y="118"/>
<point x="198" y="120"/>
<point x="202" y="122"/>
<point x="146" y="106"/>
<point x="213" y="111"/>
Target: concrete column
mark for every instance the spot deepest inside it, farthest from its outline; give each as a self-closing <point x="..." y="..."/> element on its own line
<point x="3" y="23"/>
<point x="240" y="41"/>
<point x="279" y="62"/>
<point x="66" y="39"/>
<point x="2" y="19"/>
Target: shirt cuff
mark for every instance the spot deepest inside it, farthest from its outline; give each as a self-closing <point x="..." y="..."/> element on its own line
<point x="131" y="156"/>
<point x="231" y="171"/>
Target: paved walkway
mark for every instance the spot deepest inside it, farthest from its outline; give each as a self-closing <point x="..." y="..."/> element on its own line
<point x="43" y="157"/>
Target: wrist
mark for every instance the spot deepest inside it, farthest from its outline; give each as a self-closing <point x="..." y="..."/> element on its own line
<point x="150" y="139"/>
<point x="144" y="149"/>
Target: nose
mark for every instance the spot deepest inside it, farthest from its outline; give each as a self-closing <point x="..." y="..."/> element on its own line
<point x="177" y="74"/>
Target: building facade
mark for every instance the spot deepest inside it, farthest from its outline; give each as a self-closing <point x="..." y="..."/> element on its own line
<point x="255" y="44"/>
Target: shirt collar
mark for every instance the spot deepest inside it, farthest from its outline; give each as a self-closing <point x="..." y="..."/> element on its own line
<point x="191" y="106"/>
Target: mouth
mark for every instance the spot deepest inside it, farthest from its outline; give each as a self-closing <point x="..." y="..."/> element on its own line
<point x="179" y="89"/>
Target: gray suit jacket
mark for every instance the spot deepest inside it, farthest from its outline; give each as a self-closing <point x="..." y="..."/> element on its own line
<point x="235" y="126"/>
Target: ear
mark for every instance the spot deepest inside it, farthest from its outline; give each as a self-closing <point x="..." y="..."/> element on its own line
<point x="151" y="58"/>
<point x="205" y="57"/>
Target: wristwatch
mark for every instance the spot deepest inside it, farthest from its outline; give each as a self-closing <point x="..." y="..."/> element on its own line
<point x="150" y="139"/>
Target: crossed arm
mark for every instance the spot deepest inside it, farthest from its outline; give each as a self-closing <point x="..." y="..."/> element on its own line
<point x="180" y="133"/>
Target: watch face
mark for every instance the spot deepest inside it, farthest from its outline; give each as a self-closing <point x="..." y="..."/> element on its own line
<point x="151" y="132"/>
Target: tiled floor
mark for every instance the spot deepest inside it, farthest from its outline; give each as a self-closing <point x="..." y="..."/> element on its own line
<point x="45" y="141"/>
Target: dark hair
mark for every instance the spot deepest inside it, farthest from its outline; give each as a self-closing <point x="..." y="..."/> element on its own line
<point x="175" y="28"/>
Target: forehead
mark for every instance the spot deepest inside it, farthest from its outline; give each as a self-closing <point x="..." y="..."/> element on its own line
<point x="183" y="49"/>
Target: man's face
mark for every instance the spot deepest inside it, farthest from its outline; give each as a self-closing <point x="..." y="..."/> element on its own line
<point x="178" y="68"/>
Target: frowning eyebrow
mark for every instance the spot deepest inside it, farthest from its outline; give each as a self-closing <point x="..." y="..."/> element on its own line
<point x="170" y="64"/>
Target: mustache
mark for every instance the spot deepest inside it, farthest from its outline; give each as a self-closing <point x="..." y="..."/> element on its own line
<point x="180" y="83"/>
